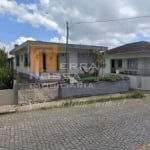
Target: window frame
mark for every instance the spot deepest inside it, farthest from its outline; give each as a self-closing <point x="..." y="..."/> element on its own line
<point x="26" y="64"/>
<point x="17" y="60"/>
<point x="119" y="63"/>
<point x="132" y="63"/>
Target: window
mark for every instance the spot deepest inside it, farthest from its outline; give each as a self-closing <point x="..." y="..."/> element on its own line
<point x="113" y="63"/>
<point x="119" y="63"/>
<point x="17" y="60"/>
<point x="25" y="59"/>
<point x="21" y="58"/>
<point x="132" y="63"/>
<point x="63" y="54"/>
<point x="87" y="58"/>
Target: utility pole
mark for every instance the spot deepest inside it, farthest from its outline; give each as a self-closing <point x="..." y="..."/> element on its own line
<point x="67" y="51"/>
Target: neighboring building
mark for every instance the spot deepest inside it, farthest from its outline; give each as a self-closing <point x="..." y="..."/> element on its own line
<point x="32" y="58"/>
<point x="10" y="61"/>
<point x="131" y="59"/>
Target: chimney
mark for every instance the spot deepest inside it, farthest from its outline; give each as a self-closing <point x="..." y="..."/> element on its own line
<point x="16" y="45"/>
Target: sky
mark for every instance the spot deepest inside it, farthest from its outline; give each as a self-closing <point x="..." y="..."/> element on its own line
<point x="45" y="20"/>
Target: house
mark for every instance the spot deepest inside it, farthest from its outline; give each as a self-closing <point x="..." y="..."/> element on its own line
<point x="133" y="60"/>
<point x="33" y="58"/>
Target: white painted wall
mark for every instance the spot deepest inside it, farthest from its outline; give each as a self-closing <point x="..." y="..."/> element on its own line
<point x="143" y="61"/>
<point x="73" y="59"/>
<point x="107" y="68"/>
<point x="139" y="82"/>
<point x="145" y="83"/>
<point x="144" y="65"/>
<point x="73" y="56"/>
<point x="134" y="84"/>
<point x="21" y="68"/>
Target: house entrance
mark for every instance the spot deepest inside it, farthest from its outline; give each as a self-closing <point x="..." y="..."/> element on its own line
<point x="44" y="61"/>
<point x="116" y="64"/>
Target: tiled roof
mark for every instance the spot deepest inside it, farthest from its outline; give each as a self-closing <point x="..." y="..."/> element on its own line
<point x="141" y="46"/>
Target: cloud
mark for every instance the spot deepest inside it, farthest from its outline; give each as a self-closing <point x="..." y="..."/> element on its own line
<point x="62" y="39"/>
<point x="18" y="41"/>
<point x="128" y="11"/>
<point x="101" y="33"/>
<point x="53" y="14"/>
<point x="45" y="2"/>
<point x="22" y="39"/>
<point x="27" y="13"/>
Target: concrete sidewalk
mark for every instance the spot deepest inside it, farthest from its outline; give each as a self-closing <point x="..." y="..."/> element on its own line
<point x="59" y="103"/>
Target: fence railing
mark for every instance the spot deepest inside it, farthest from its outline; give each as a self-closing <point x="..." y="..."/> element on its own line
<point x="141" y="71"/>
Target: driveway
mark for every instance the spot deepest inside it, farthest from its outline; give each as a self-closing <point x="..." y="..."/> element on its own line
<point x="120" y="125"/>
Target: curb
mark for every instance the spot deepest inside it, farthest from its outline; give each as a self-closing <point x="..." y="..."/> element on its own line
<point x="57" y="104"/>
<point x="7" y="109"/>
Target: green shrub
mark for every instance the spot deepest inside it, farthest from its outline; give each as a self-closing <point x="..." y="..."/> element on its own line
<point x="111" y="77"/>
<point x="89" y="79"/>
<point x="6" y="78"/>
<point x="86" y="75"/>
<point x="108" y="77"/>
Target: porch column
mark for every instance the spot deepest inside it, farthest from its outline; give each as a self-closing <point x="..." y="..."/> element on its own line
<point x="124" y="65"/>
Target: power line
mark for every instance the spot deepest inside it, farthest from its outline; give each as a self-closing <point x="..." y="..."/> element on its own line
<point x="98" y="21"/>
<point x="109" y="20"/>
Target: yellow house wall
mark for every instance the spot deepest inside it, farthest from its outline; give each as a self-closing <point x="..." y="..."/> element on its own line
<point x="36" y="58"/>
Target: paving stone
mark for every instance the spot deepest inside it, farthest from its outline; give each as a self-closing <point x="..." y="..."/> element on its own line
<point x="119" y="126"/>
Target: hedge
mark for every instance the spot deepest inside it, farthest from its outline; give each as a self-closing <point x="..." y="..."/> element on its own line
<point x="6" y="78"/>
<point x="108" y="77"/>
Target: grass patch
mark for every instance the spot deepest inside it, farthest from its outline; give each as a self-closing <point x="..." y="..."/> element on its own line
<point x="44" y="108"/>
<point x="136" y="94"/>
<point x="71" y="103"/>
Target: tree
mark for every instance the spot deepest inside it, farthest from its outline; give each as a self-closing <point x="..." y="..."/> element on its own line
<point x="6" y="73"/>
<point x="3" y="57"/>
<point x="100" y="60"/>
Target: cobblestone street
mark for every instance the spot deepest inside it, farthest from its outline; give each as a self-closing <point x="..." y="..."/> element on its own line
<point x="120" y="125"/>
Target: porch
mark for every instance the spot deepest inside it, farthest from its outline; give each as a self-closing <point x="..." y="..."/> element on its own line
<point x="131" y="66"/>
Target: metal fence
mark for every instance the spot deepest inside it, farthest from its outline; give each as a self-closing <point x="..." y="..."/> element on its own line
<point x="140" y="71"/>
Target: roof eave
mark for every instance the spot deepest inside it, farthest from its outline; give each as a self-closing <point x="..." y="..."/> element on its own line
<point x="62" y="45"/>
<point x="16" y="49"/>
<point x="131" y="52"/>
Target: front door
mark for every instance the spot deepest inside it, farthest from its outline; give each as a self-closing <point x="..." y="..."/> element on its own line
<point x="44" y="61"/>
<point x="112" y="66"/>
